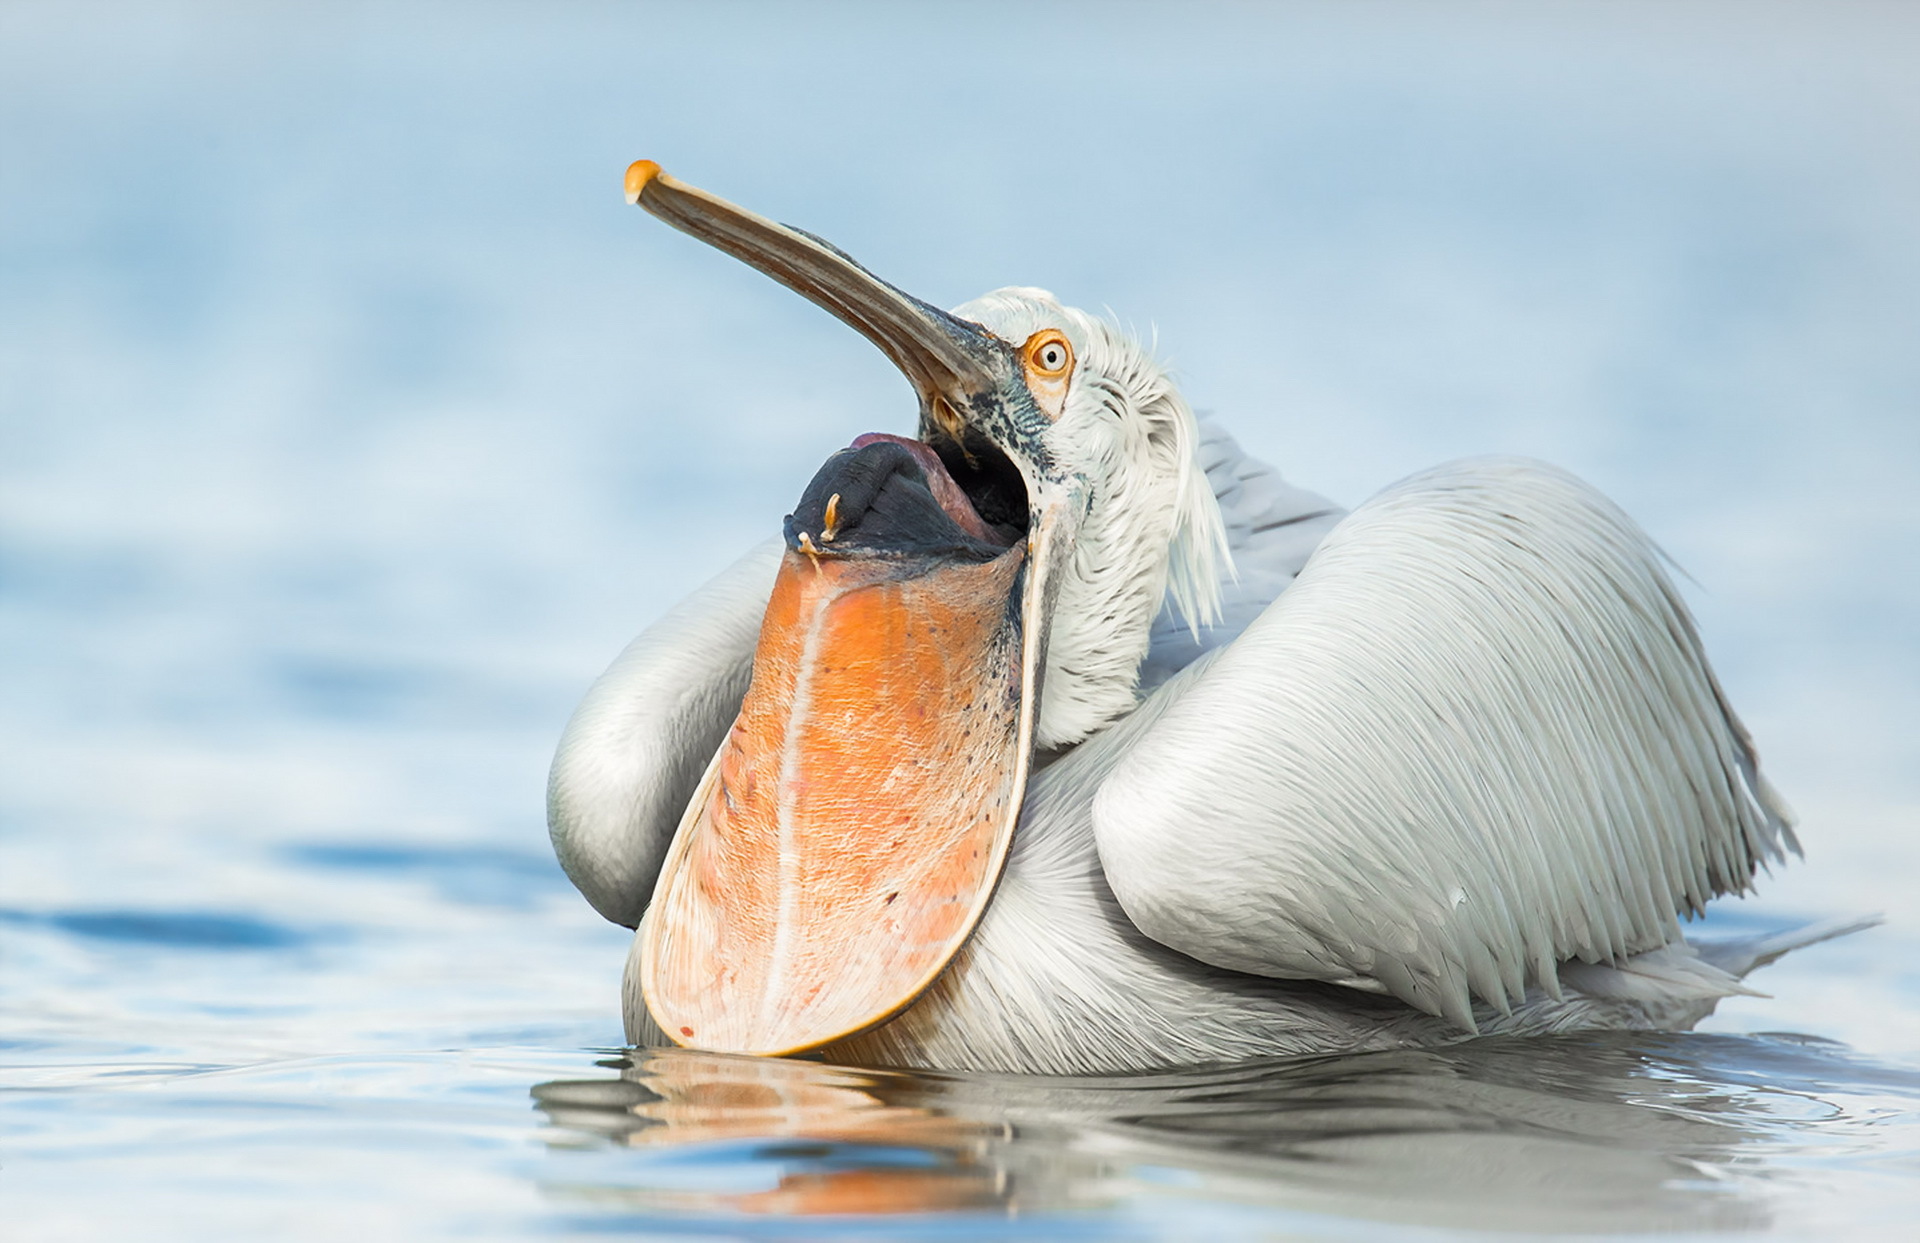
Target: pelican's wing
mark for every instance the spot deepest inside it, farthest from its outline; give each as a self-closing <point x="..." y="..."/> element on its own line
<point x="638" y="743"/>
<point x="1272" y="528"/>
<point x="1475" y="738"/>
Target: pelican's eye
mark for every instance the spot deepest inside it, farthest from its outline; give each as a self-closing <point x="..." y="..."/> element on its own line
<point x="1048" y="354"/>
<point x="1048" y="358"/>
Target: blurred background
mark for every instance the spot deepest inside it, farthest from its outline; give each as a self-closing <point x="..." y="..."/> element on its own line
<point x="350" y="422"/>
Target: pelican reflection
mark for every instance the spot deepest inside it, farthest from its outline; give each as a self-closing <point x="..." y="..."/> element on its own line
<point x="1596" y="1132"/>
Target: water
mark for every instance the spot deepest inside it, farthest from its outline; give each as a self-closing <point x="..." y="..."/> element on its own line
<point x="1603" y="1134"/>
<point x="349" y="424"/>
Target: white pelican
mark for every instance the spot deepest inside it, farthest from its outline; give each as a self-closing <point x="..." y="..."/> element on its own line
<point x="1068" y="738"/>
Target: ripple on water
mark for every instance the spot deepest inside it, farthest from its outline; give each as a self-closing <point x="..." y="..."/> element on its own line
<point x="180" y="930"/>
<point x="476" y="875"/>
<point x="1611" y="1133"/>
<point x="1608" y="1134"/>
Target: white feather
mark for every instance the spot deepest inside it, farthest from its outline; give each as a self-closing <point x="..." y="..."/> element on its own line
<point x="1672" y="973"/>
<point x="1475" y="738"/>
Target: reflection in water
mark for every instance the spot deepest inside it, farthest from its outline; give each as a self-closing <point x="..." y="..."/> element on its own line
<point x="1614" y="1132"/>
<point x="842" y="1140"/>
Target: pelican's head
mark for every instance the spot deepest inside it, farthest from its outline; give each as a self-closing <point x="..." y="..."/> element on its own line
<point x="947" y="606"/>
<point x="1120" y="432"/>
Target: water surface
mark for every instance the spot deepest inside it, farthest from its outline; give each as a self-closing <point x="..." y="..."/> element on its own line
<point x="350" y="423"/>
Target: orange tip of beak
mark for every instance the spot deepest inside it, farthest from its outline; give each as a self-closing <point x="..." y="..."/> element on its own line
<point x="639" y="173"/>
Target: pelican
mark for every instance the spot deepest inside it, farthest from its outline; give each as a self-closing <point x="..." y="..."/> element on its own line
<point x="1066" y="737"/>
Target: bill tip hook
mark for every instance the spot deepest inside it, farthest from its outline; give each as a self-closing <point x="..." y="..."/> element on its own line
<point x="639" y="173"/>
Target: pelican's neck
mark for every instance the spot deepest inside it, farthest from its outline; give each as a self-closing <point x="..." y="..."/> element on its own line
<point x="1100" y="628"/>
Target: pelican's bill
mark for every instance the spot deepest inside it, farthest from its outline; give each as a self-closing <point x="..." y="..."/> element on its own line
<point x="849" y="832"/>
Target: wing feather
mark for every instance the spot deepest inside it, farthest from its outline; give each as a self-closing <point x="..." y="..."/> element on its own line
<point x="1476" y="738"/>
<point x="1272" y="528"/>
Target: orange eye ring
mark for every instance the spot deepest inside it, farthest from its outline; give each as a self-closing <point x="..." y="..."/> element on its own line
<point x="1048" y="354"/>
